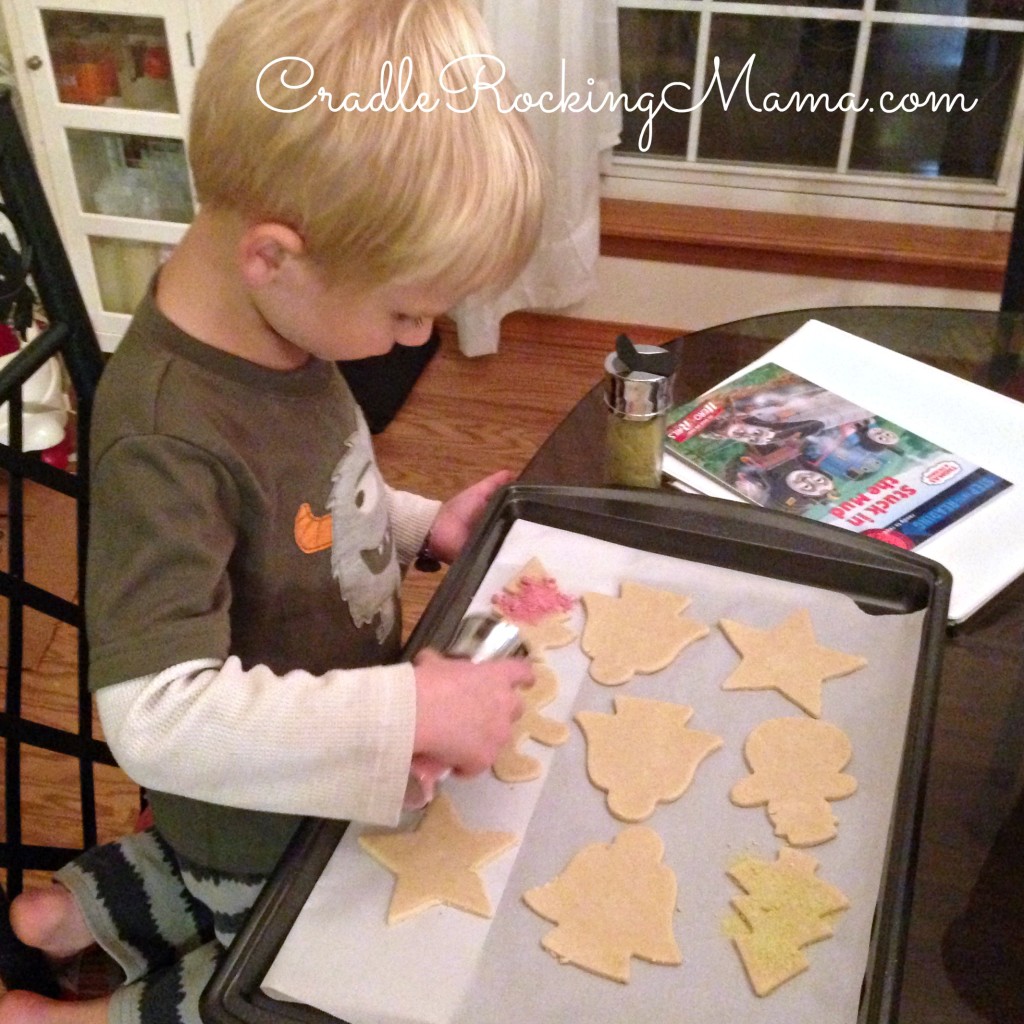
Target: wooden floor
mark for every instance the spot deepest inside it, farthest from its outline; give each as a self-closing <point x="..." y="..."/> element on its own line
<point x="464" y="419"/>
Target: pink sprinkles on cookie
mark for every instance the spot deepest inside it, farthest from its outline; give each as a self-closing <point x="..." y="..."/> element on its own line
<point x="537" y="598"/>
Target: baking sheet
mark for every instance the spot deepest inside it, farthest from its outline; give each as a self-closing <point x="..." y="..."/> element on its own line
<point x="965" y="418"/>
<point x="445" y="965"/>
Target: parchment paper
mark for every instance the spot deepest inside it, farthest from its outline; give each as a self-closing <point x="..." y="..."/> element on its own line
<point x="445" y="965"/>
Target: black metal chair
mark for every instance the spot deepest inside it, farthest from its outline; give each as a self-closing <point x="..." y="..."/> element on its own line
<point x="69" y="336"/>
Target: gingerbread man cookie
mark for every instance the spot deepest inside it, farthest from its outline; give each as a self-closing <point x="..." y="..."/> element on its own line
<point x="796" y="769"/>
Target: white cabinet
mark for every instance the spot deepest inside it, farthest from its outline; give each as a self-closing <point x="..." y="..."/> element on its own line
<point x="105" y="87"/>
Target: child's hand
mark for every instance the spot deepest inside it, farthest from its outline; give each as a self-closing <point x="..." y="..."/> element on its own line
<point x="464" y="711"/>
<point x="458" y="515"/>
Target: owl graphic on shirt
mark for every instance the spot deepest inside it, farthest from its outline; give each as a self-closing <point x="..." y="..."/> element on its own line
<point x="358" y="531"/>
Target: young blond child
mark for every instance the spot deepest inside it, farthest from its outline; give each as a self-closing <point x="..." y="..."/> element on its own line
<point x="244" y="562"/>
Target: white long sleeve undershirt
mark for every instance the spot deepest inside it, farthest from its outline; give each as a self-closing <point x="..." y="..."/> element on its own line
<point x="337" y="745"/>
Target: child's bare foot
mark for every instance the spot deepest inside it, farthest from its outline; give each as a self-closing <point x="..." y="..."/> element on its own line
<point x="49" y="919"/>
<point x="28" y="1008"/>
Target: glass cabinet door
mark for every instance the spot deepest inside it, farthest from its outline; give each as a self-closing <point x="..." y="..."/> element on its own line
<point x="119" y="60"/>
<point x="131" y="175"/>
<point x="112" y="81"/>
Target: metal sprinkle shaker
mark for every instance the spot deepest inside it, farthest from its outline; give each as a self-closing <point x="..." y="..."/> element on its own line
<point x="638" y="395"/>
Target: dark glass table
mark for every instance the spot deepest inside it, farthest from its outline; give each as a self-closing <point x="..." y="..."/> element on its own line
<point x="965" y="955"/>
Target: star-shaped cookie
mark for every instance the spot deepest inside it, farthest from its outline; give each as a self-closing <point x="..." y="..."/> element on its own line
<point x="787" y="658"/>
<point x="644" y="754"/>
<point x="641" y="630"/>
<point x="437" y="862"/>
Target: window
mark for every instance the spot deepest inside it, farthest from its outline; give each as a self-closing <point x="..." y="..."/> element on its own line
<point x="915" y="100"/>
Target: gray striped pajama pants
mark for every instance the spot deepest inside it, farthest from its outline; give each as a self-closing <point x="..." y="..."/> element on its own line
<point x="164" y="921"/>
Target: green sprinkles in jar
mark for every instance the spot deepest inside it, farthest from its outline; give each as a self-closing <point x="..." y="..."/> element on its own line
<point x="634" y="451"/>
<point x="638" y="397"/>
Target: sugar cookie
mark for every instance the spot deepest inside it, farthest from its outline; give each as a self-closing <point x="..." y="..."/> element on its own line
<point x="787" y="658"/>
<point x="532" y="600"/>
<point x="639" y="631"/>
<point x="796" y="769"/>
<point x="437" y="862"/>
<point x="644" y="754"/>
<point x="786" y="907"/>
<point x="512" y="765"/>
<point x="613" y="901"/>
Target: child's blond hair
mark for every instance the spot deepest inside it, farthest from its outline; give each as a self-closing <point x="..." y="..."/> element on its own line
<point x="440" y="196"/>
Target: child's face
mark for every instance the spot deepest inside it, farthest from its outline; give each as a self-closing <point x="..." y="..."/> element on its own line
<point x="334" y="320"/>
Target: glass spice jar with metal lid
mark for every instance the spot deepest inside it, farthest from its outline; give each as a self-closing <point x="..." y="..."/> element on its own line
<point x="638" y="396"/>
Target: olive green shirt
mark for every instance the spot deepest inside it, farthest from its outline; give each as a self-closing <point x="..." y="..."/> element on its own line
<point x="235" y="510"/>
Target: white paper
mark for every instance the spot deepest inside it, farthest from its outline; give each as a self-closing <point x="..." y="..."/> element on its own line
<point x="448" y="966"/>
<point x="984" y="552"/>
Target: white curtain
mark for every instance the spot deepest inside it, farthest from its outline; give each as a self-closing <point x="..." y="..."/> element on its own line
<point x="534" y="38"/>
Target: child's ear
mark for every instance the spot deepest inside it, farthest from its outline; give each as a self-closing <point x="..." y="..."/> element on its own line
<point x="265" y="251"/>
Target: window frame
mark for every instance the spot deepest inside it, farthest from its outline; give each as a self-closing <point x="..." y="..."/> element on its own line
<point x="680" y="179"/>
